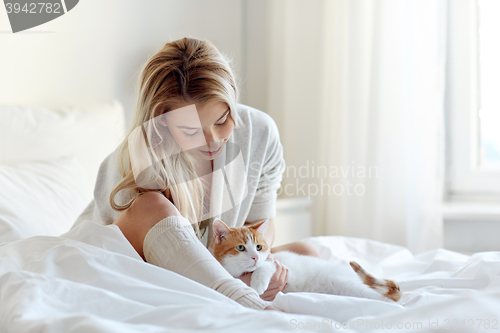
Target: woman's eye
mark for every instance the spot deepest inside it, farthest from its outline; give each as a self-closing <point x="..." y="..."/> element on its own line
<point x="191" y="134"/>
<point x="224" y="123"/>
<point x="258" y="247"/>
<point x="240" y="248"/>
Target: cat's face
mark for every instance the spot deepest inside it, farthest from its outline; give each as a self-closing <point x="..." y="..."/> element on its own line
<point x="240" y="250"/>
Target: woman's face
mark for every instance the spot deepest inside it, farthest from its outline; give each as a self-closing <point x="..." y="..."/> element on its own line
<point x="201" y="129"/>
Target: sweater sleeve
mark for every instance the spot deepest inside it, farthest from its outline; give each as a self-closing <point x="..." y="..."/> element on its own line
<point x="271" y="174"/>
<point x="173" y="245"/>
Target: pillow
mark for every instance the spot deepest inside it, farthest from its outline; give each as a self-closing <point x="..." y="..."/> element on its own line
<point x="33" y="133"/>
<point x="41" y="198"/>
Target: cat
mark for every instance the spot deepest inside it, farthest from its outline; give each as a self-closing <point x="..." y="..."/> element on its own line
<point x="244" y="249"/>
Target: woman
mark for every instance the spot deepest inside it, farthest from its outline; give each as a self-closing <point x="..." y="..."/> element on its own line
<point x="193" y="154"/>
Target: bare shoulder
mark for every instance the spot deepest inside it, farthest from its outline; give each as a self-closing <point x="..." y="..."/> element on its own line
<point x="154" y="203"/>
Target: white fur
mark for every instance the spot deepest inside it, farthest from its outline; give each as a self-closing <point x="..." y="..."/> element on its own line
<point x="262" y="275"/>
<point x="242" y="262"/>
<point x="307" y="274"/>
<point x="311" y="274"/>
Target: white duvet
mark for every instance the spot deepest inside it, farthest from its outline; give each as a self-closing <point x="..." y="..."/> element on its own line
<point x="91" y="280"/>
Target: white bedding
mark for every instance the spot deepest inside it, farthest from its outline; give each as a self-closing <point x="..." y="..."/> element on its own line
<point x="91" y="280"/>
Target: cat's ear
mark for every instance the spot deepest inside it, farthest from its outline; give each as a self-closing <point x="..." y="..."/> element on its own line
<point x="220" y="230"/>
<point x="261" y="226"/>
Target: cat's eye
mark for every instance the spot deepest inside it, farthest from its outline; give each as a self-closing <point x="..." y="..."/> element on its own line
<point x="240" y="248"/>
<point x="258" y="247"/>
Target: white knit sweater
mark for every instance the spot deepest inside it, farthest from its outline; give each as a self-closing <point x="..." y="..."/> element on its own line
<point x="254" y="151"/>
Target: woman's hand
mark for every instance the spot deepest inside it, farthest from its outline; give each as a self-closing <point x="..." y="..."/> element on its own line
<point x="277" y="283"/>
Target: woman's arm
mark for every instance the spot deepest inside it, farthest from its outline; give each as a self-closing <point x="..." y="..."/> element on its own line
<point x="164" y="238"/>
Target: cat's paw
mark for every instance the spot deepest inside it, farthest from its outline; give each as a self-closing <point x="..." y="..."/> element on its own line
<point x="260" y="285"/>
<point x="262" y="276"/>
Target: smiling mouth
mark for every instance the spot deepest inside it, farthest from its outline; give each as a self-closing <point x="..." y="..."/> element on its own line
<point x="211" y="153"/>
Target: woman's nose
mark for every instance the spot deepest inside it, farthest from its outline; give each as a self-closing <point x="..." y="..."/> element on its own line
<point x="210" y="137"/>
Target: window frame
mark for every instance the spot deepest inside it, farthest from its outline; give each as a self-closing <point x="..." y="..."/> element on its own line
<point x="465" y="178"/>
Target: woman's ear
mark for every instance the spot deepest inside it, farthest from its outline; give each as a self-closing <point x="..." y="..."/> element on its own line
<point x="220" y="230"/>
<point x="162" y="120"/>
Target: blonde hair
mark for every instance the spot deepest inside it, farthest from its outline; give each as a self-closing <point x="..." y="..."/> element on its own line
<point x="184" y="71"/>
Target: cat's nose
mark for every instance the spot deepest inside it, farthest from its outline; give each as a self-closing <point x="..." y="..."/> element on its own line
<point x="255" y="258"/>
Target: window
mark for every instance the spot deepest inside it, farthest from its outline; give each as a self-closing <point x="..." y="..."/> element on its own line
<point x="489" y="84"/>
<point x="473" y="98"/>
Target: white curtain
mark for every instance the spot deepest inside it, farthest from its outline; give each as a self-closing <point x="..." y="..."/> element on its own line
<point x="359" y="85"/>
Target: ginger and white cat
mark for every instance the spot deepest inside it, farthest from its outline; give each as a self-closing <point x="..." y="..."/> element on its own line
<point x="244" y="249"/>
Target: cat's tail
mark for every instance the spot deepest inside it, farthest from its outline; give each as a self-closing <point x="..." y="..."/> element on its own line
<point x="387" y="288"/>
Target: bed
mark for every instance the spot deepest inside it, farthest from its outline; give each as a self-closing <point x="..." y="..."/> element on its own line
<point x="90" y="279"/>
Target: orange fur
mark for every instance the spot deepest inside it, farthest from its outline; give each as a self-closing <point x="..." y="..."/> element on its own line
<point x="393" y="291"/>
<point x="226" y="245"/>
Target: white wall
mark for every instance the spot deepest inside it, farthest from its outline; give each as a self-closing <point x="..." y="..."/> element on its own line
<point x="92" y="53"/>
<point x="257" y="29"/>
<point x="283" y="69"/>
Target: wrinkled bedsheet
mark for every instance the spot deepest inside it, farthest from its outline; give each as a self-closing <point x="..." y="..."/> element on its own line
<point x="90" y="279"/>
